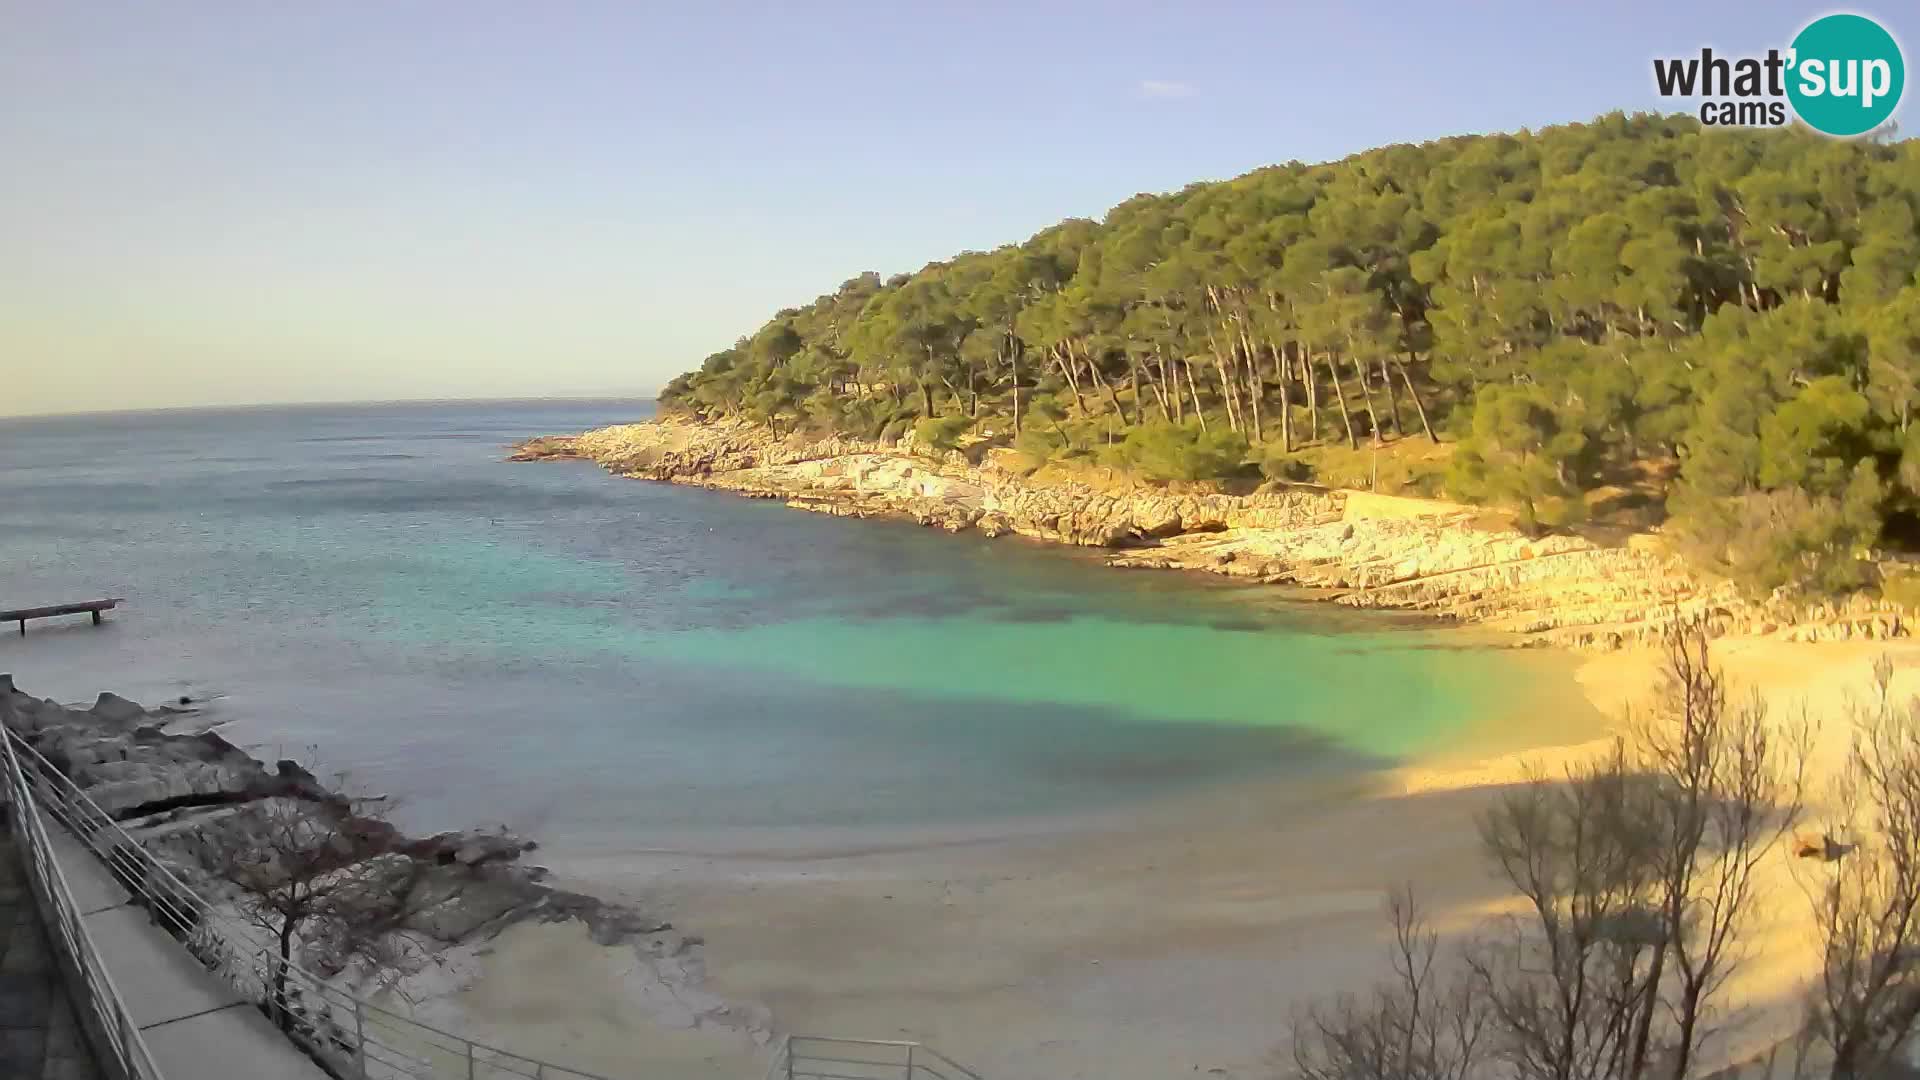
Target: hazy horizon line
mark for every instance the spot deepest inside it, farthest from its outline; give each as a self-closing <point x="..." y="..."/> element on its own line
<point x="331" y="404"/>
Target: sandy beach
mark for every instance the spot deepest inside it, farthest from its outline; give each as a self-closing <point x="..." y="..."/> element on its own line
<point x="1178" y="944"/>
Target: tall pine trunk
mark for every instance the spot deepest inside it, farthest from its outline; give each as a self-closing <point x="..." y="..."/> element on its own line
<point x="1340" y="395"/>
<point x="1015" y="356"/>
<point x="1304" y="357"/>
<point x="1255" y="388"/>
<point x="1228" y="396"/>
<point x="1366" y="389"/>
<point x="1106" y="387"/>
<point x="1253" y="397"/>
<point x="1063" y="355"/>
<point x="1159" y="393"/>
<point x="1414" y="393"/>
<point x="1286" y="399"/>
<point x="1393" y="401"/>
<point x="1194" y="389"/>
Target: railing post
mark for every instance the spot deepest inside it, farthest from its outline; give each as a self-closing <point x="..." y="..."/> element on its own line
<point x="239" y="958"/>
<point x="360" y="1037"/>
<point x="789" y="1045"/>
<point x="909" y="1061"/>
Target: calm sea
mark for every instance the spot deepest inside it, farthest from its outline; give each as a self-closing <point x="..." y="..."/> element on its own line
<point x="607" y="662"/>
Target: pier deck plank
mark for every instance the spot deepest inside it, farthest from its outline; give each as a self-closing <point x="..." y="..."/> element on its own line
<point x="83" y="607"/>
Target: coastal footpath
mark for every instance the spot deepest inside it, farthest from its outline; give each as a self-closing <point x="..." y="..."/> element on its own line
<point x="1592" y="590"/>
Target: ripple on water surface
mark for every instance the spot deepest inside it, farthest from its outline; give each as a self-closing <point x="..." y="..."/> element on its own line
<point x="617" y="661"/>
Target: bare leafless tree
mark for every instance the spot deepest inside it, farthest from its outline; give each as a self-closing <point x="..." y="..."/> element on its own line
<point x="1564" y="983"/>
<point x="301" y="866"/>
<point x="1638" y="871"/>
<point x="1867" y="894"/>
<point x="1417" y="1026"/>
<point x="1721" y="792"/>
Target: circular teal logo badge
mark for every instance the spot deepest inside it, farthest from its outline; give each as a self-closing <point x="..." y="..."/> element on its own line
<point x="1847" y="75"/>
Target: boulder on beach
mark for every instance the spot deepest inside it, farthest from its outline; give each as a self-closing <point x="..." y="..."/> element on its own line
<point x="115" y="709"/>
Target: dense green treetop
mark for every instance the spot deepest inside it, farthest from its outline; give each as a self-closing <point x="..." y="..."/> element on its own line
<point x="1720" y="325"/>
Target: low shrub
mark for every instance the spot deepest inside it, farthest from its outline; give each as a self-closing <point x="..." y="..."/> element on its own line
<point x="1183" y="452"/>
<point x="941" y="432"/>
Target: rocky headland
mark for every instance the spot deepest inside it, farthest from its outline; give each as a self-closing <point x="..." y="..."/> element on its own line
<point x="1355" y="548"/>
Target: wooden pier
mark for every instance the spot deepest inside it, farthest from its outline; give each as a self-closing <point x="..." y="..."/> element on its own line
<point x="93" y="607"/>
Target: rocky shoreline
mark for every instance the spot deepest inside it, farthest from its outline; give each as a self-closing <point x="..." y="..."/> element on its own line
<point x="1351" y="547"/>
<point x="453" y="893"/>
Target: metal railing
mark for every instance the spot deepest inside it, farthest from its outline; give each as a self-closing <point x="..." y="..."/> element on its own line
<point x="347" y="1034"/>
<point x="105" y="1017"/>
<point x="818" y="1057"/>
<point x="350" y="1036"/>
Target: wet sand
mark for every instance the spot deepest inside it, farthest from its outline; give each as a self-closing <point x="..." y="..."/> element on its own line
<point x="1178" y="943"/>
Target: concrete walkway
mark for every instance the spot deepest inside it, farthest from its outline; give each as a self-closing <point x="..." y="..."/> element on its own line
<point x="195" y="1024"/>
<point x="38" y="1037"/>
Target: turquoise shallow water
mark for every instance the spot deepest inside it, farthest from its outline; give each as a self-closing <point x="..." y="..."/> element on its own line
<point x="614" y="662"/>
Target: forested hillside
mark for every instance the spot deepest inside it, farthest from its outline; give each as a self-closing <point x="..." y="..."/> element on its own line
<point x="1638" y="315"/>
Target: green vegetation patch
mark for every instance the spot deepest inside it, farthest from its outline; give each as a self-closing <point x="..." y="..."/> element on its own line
<point x="1635" y="321"/>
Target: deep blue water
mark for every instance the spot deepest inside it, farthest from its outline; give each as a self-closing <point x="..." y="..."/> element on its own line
<point x="603" y="661"/>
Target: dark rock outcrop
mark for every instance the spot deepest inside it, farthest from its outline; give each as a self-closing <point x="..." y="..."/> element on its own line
<point x="172" y="791"/>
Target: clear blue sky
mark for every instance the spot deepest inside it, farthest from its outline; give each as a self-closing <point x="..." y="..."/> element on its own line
<point x="237" y="202"/>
